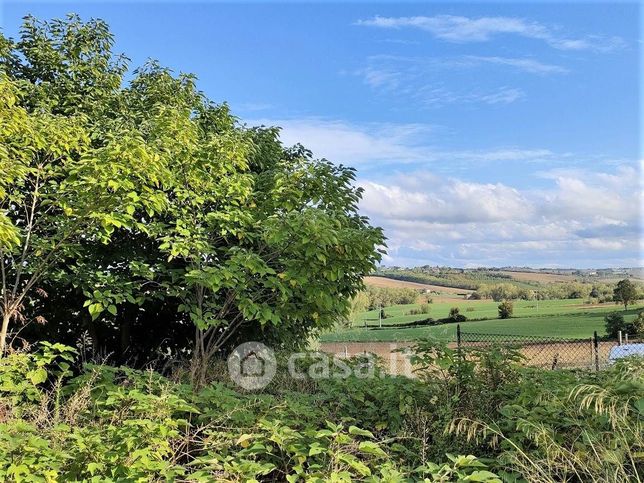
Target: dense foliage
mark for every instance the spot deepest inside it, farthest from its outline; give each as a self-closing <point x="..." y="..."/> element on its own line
<point x="375" y="297"/>
<point x="625" y="292"/>
<point x="140" y="221"/>
<point x="615" y="323"/>
<point x="137" y="211"/>
<point x="115" y="424"/>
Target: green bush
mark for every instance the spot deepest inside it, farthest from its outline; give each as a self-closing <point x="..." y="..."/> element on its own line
<point x="569" y="426"/>
<point x="506" y="309"/>
<point x="615" y="323"/>
<point x="455" y="316"/>
<point x="638" y="324"/>
<point x="120" y="424"/>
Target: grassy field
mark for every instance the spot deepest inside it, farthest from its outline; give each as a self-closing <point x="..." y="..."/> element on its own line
<point x="553" y="318"/>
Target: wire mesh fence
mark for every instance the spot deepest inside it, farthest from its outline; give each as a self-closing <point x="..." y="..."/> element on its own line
<point x="548" y="352"/>
<point x="395" y="357"/>
<point x="545" y="352"/>
<point x="592" y="353"/>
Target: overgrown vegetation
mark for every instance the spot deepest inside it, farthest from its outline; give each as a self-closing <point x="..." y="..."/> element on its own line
<point x="615" y="323"/>
<point x="506" y="309"/>
<point x="115" y="424"/>
<point x="143" y="225"/>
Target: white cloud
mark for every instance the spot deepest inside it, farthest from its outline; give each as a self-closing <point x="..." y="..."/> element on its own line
<point x="356" y="144"/>
<point x="447" y="201"/>
<point x="586" y="218"/>
<point x="432" y="96"/>
<point x="371" y="144"/>
<point x="523" y="64"/>
<point x="416" y="78"/>
<point x="448" y="220"/>
<point x="504" y="95"/>
<point x="462" y="29"/>
<point x="381" y="78"/>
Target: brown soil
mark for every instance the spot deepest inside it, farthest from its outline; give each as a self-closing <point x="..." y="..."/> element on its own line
<point x="576" y="354"/>
<point x="391" y="283"/>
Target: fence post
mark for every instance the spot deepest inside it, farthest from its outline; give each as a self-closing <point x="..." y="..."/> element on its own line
<point x="596" y="347"/>
<point x="458" y="353"/>
<point x="619" y="338"/>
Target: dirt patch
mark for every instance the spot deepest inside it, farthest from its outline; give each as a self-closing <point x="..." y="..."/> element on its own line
<point x="391" y="283"/>
<point x="394" y="362"/>
<point x="555" y="355"/>
<point x="595" y="306"/>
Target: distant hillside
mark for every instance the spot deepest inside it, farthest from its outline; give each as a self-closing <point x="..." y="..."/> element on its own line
<point x="445" y="276"/>
<point x="523" y="277"/>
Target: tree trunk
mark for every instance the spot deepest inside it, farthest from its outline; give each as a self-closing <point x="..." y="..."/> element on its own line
<point x="199" y="360"/>
<point x="3" y="332"/>
<point x="125" y="336"/>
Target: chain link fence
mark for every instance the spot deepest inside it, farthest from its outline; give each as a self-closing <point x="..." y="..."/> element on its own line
<point x="591" y="353"/>
<point x="549" y="352"/>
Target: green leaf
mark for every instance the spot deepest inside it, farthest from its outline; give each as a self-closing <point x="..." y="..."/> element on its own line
<point x="37" y="376"/>
<point x="372" y="448"/>
<point x="360" y="432"/>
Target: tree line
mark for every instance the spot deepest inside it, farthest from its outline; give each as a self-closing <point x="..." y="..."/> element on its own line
<point x="600" y="293"/>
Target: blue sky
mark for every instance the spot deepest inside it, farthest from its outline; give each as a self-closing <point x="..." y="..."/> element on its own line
<point x="484" y="134"/>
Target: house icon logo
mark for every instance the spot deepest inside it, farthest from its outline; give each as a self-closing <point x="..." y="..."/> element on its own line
<point x="252" y="365"/>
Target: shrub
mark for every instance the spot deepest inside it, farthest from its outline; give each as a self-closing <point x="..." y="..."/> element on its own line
<point x="638" y="323"/>
<point x="455" y="315"/>
<point x="506" y="309"/>
<point x="548" y="430"/>
<point x="120" y="424"/>
<point x="615" y="323"/>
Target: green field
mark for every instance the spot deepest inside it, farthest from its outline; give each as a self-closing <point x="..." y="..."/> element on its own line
<point x="554" y="318"/>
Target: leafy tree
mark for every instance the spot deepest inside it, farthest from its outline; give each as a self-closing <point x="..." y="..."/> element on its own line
<point x="176" y="228"/>
<point x="506" y="309"/>
<point x="59" y="192"/>
<point x="638" y="323"/>
<point x="625" y="292"/>
<point x="614" y="324"/>
<point x="504" y="291"/>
